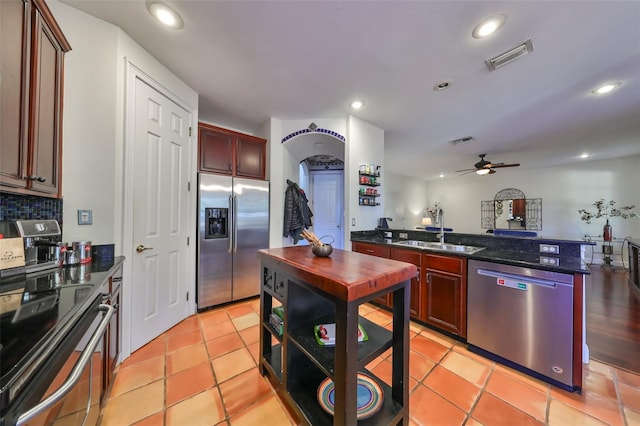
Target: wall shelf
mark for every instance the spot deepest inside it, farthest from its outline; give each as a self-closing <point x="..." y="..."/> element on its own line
<point x="367" y="195"/>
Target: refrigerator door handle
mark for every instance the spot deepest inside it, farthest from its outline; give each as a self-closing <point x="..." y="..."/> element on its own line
<point x="235" y="223"/>
<point x="231" y="224"/>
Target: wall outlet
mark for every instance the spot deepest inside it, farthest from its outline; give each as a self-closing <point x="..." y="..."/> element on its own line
<point x="388" y="234"/>
<point x="403" y="235"/>
<point x="545" y="260"/>
<point x="549" y="248"/>
<point x="353" y="221"/>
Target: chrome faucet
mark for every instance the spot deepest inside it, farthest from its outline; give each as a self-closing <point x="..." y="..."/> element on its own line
<point x="440" y="220"/>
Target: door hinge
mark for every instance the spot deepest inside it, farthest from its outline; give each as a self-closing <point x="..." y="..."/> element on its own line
<point x="188" y="240"/>
<point x="189" y="186"/>
<point x="189" y="130"/>
<point x="187" y="296"/>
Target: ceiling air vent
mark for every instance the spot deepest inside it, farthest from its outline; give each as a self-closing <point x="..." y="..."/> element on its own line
<point x="509" y="56"/>
<point x="461" y="140"/>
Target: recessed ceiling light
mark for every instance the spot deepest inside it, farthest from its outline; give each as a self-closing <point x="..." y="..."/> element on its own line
<point x="605" y="88"/>
<point x="488" y="27"/>
<point x="441" y="175"/>
<point x="585" y="155"/>
<point x="165" y="15"/>
<point x="357" y="104"/>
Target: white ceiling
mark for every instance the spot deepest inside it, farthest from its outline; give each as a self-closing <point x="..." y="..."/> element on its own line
<point x="251" y="60"/>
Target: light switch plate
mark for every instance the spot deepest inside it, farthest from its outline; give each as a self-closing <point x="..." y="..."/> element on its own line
<point x="85" y="217"/>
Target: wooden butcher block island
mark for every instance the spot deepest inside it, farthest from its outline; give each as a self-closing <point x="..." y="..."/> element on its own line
<point x="314" y="380"/>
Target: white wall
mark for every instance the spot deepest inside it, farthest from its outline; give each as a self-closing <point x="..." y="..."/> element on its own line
<point x="93" y="121"/>
<point x="365" y="146"/>
<point x="563" y="190"/>
<point x="405" y="200"/>
<point x="89" y="130"/>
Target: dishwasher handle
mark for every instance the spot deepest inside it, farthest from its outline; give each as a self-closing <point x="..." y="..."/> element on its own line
<point x="528" y="280"/>
<point x="73" y="378"/>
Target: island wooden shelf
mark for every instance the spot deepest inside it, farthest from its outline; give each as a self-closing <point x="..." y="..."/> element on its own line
<point x="319" y="290"/>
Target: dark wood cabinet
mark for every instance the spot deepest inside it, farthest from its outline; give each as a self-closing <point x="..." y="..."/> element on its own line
<point x="438" y="293"/>
<point x="445" y="298"/>
<point x="112" y="337"/>
<point x="379" y="251"/>
<point x="416" y="301"/>
<point x="226" y="152"/>
<point x="518" y="208"/>
<point x="32" y="58"/>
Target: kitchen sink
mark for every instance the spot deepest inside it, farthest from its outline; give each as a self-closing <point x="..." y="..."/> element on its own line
<point x="439" y="246"/>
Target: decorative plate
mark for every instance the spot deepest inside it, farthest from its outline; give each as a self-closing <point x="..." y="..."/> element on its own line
<point x="369" y="398"/>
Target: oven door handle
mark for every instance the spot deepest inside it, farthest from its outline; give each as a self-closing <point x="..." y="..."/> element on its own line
<point x="75" y="374"/>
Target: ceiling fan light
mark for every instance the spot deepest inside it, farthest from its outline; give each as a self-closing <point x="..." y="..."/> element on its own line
<point x="482" y="172"/>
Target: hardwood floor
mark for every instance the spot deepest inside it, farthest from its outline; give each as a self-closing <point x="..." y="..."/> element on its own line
<point x="613" y="318"/>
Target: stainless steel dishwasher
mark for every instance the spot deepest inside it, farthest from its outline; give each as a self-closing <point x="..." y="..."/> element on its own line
<point x="522" y="317"/>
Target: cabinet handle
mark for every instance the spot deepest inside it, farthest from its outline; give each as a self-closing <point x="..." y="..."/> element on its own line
<point x="37" y="178"/>
<point x="370" y="251"/>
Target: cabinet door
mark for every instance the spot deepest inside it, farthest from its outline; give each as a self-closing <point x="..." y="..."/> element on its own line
<point x="519" y="208"/>
<point x="46" y="101"/>
<point x="445" y="296"/>
<point x="444" y="299"/>
<point x="250" y="157"/>
<point x="215" y="150"/>
<point x="415" y="257"/>
<point x="14" y="74"/>
<point x="379" y="251"/>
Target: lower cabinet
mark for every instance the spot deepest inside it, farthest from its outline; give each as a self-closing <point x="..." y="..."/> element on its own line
<point x="445" y="298"/>
<point x="379" y="251"/>
<point x="438" y="293"/>
<point x="417" y="291"/>
<point x="112" y="343"/>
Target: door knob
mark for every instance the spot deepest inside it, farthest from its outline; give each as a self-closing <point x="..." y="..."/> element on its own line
<point x="142" y="248"/>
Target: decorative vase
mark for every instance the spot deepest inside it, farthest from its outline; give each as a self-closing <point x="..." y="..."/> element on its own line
<point x="606" y="232"/>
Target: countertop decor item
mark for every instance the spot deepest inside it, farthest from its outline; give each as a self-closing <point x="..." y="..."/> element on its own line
<point x="318" y="248"/>
<point x="607" y="209"/>
<point x="369" y="396"/>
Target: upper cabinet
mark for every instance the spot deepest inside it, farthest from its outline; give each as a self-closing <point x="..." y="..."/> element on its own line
<point x="32" y="49"/>
<point x="231" y="153"/>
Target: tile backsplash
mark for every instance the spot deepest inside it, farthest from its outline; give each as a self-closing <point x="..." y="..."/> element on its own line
<point x="14" y="206"/>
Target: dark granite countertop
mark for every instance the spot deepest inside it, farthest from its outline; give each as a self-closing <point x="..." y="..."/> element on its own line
<point x="517" y="251"/>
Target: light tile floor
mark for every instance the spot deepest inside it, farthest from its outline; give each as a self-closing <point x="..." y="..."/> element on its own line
<point x="204" y="372"/>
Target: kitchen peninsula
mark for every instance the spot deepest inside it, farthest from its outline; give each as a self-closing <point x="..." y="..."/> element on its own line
<point x="321" y="290"/>
<point x="487" y="290"/>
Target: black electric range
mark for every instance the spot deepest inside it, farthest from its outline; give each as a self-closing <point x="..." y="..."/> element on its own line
<point x="36" y="310"/>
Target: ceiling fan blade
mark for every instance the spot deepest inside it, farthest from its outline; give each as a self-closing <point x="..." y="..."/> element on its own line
<point x="465" y="170"/>
<point x="491" y="171"/>
<point x="506" y="165"/>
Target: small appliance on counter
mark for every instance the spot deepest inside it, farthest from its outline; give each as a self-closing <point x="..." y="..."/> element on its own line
<point x="383" y="222"/>
<point x="42" y="248"/>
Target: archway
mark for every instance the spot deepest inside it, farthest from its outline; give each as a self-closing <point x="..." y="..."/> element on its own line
<point x="318" y="155"/>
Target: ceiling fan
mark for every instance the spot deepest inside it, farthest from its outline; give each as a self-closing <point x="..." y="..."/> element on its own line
<point x="484" y="167"/>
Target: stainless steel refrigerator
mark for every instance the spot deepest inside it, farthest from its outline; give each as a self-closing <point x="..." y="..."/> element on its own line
<point x="233" y="225"/>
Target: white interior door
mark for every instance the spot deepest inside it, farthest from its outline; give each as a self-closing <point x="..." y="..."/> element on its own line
<point x="160" y="215"/>
<point x="328" y="211"/>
